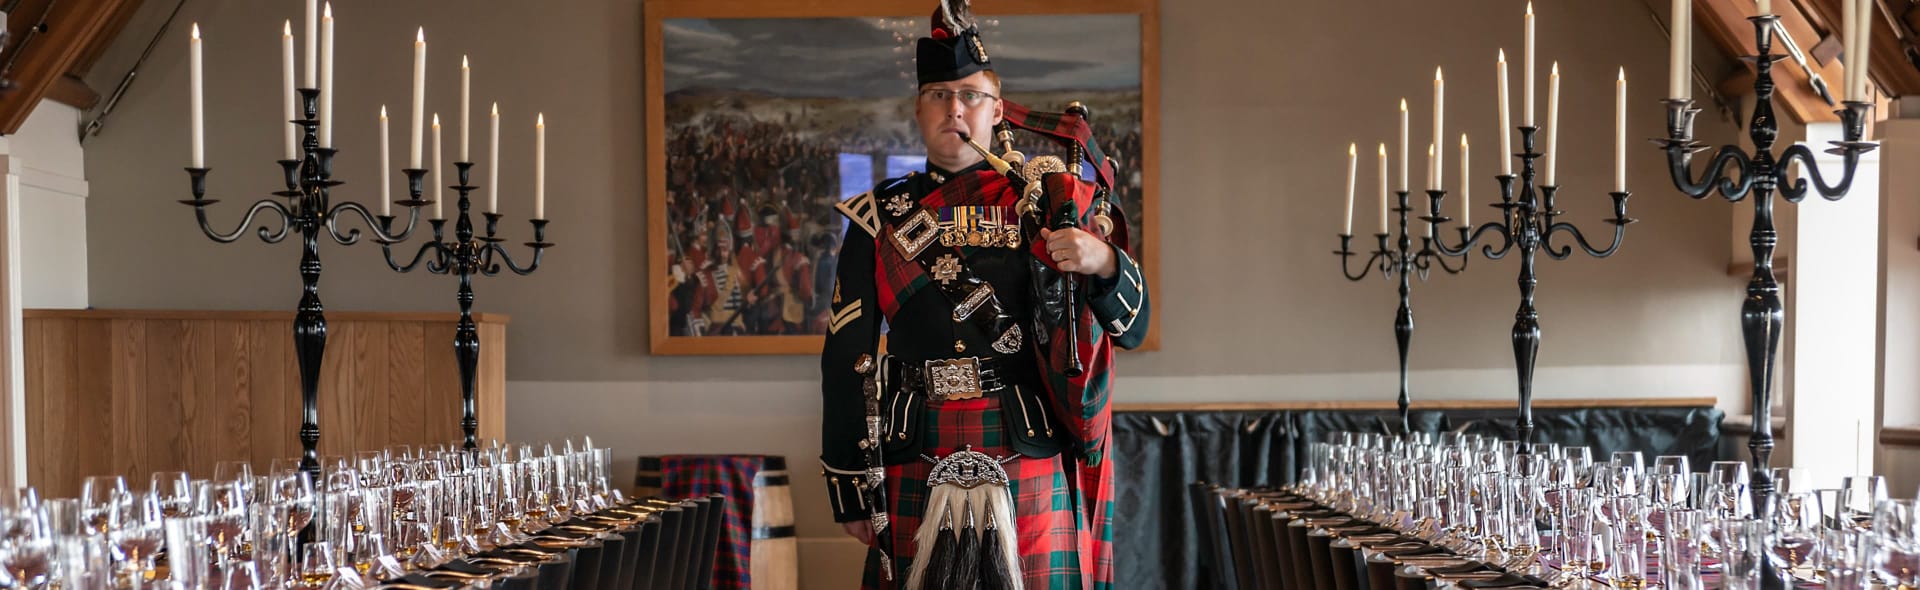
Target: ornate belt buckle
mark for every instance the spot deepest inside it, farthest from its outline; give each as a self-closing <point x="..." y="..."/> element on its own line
<point x="953" y="379"/>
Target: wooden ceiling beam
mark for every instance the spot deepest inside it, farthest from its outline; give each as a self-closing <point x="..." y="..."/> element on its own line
<point x="72" y="27"/>
<point x="116" y="23"/>
<point x="74" y="92"/>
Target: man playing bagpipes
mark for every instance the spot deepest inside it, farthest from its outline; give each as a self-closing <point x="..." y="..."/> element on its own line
<point x="972" y="452"/>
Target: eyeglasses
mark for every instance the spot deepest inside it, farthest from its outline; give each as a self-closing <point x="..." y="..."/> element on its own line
<point x="971" y="98"/>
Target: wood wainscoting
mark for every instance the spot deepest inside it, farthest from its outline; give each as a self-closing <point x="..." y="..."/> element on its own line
<point x="131" y="392"/>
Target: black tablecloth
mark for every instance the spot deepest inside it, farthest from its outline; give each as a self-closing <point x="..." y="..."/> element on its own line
<point x="1156" y="454"/>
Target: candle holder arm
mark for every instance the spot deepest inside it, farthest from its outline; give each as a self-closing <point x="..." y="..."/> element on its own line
<point x="1346" y="255"/>
<point x="435" y="247"/>
<point x="1619" y="222"/>
<point x="539" y="246"/>
<point x="380" y="230"/>
<point x="1733" y="187"/>
<point x="1796" y="189"/>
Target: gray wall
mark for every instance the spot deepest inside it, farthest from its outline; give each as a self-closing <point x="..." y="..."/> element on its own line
<point x="1258" y="101"/>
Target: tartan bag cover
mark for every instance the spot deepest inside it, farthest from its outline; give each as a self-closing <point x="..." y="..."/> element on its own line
<point x="1081" y="401"/>
<point x="685" y="476"/>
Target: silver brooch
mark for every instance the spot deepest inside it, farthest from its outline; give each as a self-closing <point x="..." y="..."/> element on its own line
<point x="899" y="205"/>
<point x="1009" y="342"/>
<point x="969" y="469"/>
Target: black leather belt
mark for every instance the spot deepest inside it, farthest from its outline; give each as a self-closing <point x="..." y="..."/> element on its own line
<point x="959" y="378"/>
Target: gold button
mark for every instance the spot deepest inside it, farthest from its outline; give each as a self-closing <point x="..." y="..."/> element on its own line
<point x="864" y="443"/>
<point x="1029" y="432"/>
<point x="902" y="436"/>
<point x="959" y="346"/>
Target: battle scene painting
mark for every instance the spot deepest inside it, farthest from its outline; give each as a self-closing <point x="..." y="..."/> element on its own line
<point x="769" y="122"/>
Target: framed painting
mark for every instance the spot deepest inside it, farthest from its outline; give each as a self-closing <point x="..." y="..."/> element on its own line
<point x="762" y="114"/>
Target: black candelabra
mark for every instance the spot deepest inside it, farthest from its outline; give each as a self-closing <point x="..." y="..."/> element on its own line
<point x="1399" y="260"/>
<point x="306" y="207"/>
<point x="1736" y="174"/>
<point x="1528" y="223"/>
<point x="462" y="257"/>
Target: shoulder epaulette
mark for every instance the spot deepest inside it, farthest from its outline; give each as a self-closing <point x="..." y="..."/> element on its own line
<point x="862" y="211"/>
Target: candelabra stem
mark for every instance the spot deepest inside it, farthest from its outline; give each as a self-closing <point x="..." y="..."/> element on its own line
<point x="466" y="349"/>
<point x="1761" y="319"/>
<point x="1403" y="317"/>
<point x="1761" y="314"/>
<point x="1403" y="336"/>
<point x="466" y="338"/>
<point x="1526" y="345"/>
<point x="310" y="345"/>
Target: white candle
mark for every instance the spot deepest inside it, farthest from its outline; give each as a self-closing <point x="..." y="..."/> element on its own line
<point x="326" y="76"/>
<point x="1352" y="162"/>
<point x="286" y="90"/>
<point x="312" y="38"/>
<point x="1466" y="199"/>
<point x="386" y="165"/>
<point x="1766" y="7"/>
<point x="194" y="96"/>
<point x="466" y="80"/>
<point x="1527" y="76"/>
<point x="1679" y="52"/>
<point x="1433" y="168"/>
<point x="1403" y="144"/>
<point x="1620" y="133"/>
<point x="1439" y="112"/>
<point x="1865" y="80"/>
<point x="1849" y="35"/>
<point x="438" y="213"/>
<point x="1506" y="122"/>
<point x="419" y="90"/>
<point x="540" y="166"/>
<point x="493" y="161"/>
<point x="1553" y="120"/>
<point x="1383" y="188"/>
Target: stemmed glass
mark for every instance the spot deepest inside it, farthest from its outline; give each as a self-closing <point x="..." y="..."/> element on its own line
<point x="136" y="528"/>
<point x="100" y="495"/>
<point x="1859" y="495"/>
<point x="1796" y="532"/>
<point x="173" y="490"/>
<point x="1897" y="556"/>
<point x="1742" y="546"/>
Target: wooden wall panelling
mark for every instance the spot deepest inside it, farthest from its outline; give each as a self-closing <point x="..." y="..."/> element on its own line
<point x="204" y="425"/>
<point x="163" y="418"/>
<point x="134" y="392"/>
<point x="406" y="378"/>
<point x="92" y="404"/>
<point x="370" y="388"/>
<point x="270" y="390"/>
<point x="441" y="397"/>
<point x="493" y="382"/>
<point x="57" y="420"/>
<point x="337" y="422"/>
<point x="231" y="433"/>
<point x="127" y="354"/>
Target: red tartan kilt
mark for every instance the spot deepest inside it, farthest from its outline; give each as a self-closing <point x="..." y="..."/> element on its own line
<point x="1058" y="546"/>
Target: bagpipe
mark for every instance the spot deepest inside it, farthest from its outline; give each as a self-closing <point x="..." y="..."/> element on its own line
<point x="1075" y="354"/>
